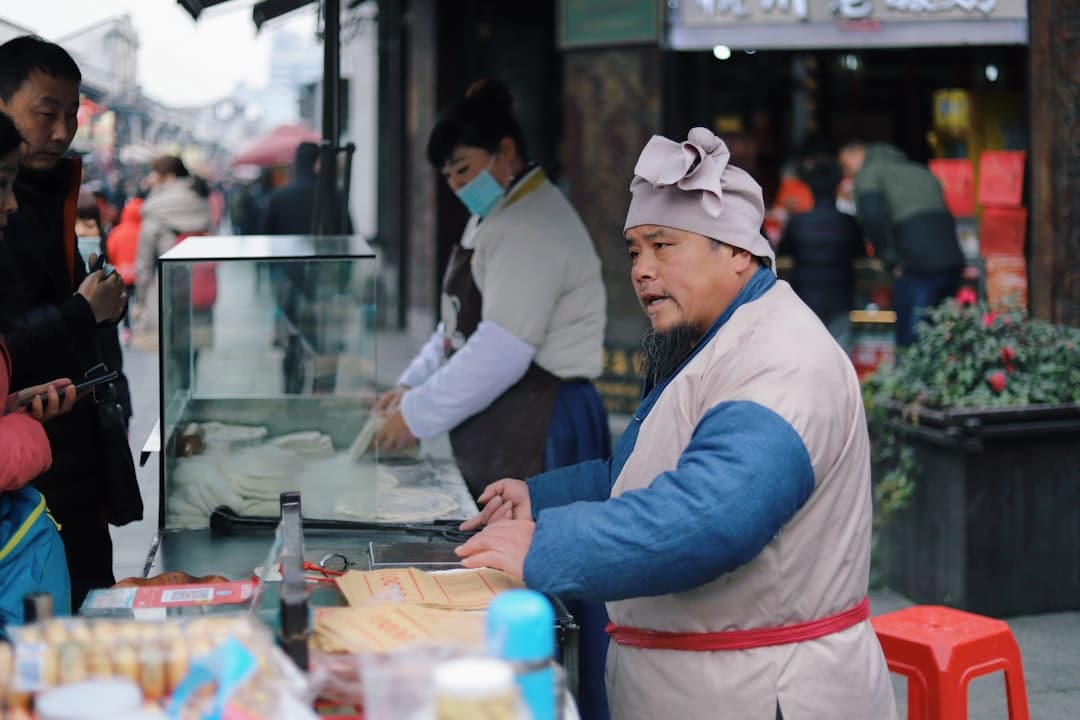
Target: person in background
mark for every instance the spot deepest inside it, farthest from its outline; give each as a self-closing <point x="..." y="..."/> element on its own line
<point x="55" y="318"/>
<point x="508" y="372"/>
<point x="901" y="207"/>
<point x="174" y="207"/>
<point x="290" y="209"/>
<point x="121" y="247"/>
<point x="793" y="196"/>
<point x="823" y="243"/>
<point x="729" y="533"/>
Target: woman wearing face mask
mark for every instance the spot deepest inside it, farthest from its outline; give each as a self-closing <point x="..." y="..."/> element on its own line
<point x="508" y="371"/>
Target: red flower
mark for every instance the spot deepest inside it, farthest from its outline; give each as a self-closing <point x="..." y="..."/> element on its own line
<point x="996" y="381"/>
<point x="1007" y="353"/>
<point x="966" y="297"/>
<point x="989" y="318"/>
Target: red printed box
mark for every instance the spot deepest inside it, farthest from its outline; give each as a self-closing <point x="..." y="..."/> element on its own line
<point x="957" y="178"/>
<point x="1001" y="178"/>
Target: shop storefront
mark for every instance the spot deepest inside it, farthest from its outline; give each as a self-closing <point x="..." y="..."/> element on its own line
<point x="943" y="81"/>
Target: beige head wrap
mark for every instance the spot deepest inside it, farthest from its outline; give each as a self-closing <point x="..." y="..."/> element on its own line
<point x="691" y="186"/>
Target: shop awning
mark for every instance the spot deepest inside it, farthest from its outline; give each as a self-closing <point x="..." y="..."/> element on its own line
<point x="277" y="147"/>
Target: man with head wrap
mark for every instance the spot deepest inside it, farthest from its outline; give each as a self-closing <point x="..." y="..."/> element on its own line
<point x="729" y="533"/>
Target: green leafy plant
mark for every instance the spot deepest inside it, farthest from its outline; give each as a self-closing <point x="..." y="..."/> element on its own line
<point x="968" y="355"/>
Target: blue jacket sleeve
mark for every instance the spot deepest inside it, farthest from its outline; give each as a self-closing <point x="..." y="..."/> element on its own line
<point x="743" y="475"/>
<point x="587" y="481"/>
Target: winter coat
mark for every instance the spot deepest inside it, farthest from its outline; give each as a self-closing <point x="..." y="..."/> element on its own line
<point x="738" y="498"/>
<point x="823" y="242"/>
<point x="24" y="447"/>
<point x="901" y="207"/>
<point x="50" y="330"/>
<point x="172" y="208"/>
<point x="290" y="209"/>
<point x="123" y="241"/>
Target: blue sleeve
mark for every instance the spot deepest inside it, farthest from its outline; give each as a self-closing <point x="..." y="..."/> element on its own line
<point x="743" y="475"/>
<point x="587" y="481"/>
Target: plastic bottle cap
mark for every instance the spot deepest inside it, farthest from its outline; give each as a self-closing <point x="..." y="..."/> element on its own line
<point x="93" y="700"/>
<point x="521" y="626"/>
<point x="473" y="678"/>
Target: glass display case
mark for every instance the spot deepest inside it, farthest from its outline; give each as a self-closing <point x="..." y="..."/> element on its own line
<point x="267" y="349"/>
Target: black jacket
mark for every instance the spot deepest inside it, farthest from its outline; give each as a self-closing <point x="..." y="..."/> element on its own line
<point x="50" y="330"/>
<point x="291" y="208"/>
<point x="822" y="243"/>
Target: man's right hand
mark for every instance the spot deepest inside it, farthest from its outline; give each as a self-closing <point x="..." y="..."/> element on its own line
<point x="106" y="295"/>
<point x="389" y="401"/>
<point x="506" y="499"/>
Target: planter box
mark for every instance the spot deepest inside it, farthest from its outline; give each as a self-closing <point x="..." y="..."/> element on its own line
<point x="993" y="526"/>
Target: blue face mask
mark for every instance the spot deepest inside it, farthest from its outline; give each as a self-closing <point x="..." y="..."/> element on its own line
<point x="481" y="193"/>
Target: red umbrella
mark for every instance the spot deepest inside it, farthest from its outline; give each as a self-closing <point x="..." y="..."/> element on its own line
<point x="277" y="147"/>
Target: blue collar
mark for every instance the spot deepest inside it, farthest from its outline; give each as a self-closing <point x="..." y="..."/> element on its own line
<point x="759" y="284"/>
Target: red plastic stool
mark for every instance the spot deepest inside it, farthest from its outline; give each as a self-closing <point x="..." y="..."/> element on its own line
<point x="940" y="650"/>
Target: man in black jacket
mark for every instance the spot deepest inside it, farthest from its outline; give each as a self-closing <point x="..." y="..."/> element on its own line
<point x="290" y="209"/>
<point x="55" y="318"/>
<point x="823" y="243"/>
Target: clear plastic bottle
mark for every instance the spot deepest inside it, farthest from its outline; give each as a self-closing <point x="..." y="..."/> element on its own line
<point x="476" y="689"/>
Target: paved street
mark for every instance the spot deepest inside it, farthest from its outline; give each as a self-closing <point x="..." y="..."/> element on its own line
<point x="1050" y="643"/>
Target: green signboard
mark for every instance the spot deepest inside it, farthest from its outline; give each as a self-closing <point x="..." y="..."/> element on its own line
<point x="600" y="23"/>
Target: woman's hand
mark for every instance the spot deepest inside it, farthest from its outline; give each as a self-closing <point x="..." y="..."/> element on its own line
<point x="394" y="434"/>
<point x="45" y="401"/>
<point x="389" y="401"/>
<point x="506" y="499"/>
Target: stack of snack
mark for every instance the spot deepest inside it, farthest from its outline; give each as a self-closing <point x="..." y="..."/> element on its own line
<point x="157" y="656"/>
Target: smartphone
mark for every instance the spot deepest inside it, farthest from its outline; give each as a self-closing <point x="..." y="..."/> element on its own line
<point x="81" y="390"/>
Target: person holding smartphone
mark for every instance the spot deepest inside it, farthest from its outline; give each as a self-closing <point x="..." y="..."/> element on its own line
<point x="25" y="454"/>
<point x="57" y="319"/>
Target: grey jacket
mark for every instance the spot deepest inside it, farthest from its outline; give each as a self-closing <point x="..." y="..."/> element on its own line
<point x="174" y="207"/>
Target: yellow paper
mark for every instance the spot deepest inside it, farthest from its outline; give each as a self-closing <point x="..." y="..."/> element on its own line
<point x="465" y="590"/>
<point x="388" y="626"/>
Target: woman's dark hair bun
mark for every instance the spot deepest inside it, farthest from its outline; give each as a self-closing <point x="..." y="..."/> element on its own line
<point x="492" y="95"/>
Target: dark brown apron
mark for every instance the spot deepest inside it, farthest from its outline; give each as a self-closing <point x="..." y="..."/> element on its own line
<point x="507" y="438"/>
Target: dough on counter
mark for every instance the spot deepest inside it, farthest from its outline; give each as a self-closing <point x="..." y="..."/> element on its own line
<point x="307" y="443"/>
<point x="412" y="505"/>
<point x="226" y="436"/>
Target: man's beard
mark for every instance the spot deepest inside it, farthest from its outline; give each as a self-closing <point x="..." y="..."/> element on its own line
<point x="665" y="350"/>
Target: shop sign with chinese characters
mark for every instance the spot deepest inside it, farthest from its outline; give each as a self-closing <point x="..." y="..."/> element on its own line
<point x="878" y="22"/>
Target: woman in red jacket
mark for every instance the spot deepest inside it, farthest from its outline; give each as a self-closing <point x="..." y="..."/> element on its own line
<point x="121" y="247"/>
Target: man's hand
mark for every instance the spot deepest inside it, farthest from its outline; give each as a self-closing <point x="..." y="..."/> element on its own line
<point x="46" y="401"/>
<point x="106" y="295"/>
<point x="506" y="499"/>
<point x="502" y="546"/>
<point x="389" y="401"/>
<point x="394" y="434"/>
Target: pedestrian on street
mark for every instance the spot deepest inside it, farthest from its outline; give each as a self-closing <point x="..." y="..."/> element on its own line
<point x="57" y="319"/>
<point x="901" y="207"/>
<point x="823" y="243"/>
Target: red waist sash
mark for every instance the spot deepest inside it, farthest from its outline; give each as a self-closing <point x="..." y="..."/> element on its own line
<point x="740" y="639"/>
